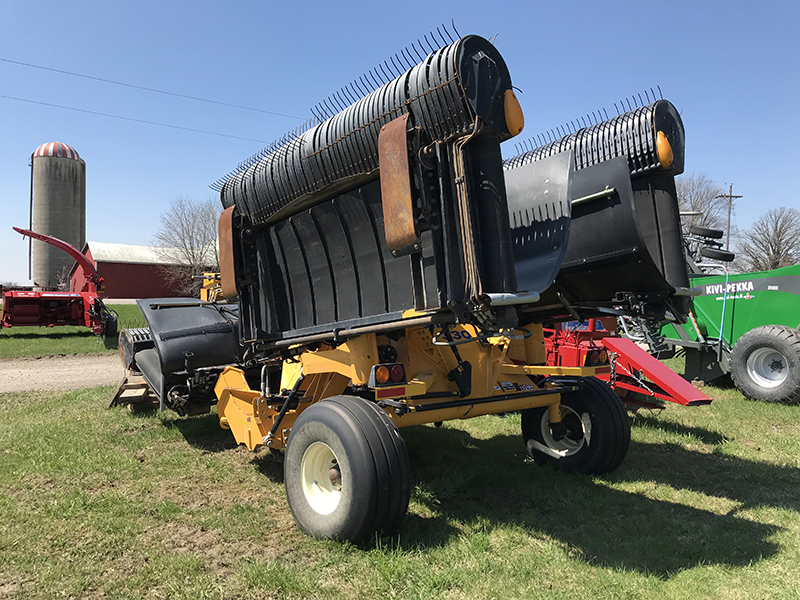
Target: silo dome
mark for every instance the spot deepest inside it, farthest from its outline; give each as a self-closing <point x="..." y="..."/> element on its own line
<point x="56" y="149"/>
<point x="58" y="209"/>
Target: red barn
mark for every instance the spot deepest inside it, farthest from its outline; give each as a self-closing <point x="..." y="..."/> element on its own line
<point x="128" y="271"/>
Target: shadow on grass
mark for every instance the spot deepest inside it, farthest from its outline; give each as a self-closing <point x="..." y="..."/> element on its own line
<point x="712" y="438"/>
<point x="724" y="383"/>
<point x="750" y="483"/>
<point x="49" y="333"/>
<point x="461" y="478"/>
<point x="111" y="342"/>
<point x="270" y="464"/>
<point x="54" y="334"/>
<point x="203" y="432"/>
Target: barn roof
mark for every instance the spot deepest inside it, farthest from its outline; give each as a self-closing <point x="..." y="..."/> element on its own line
<point x="128" y="253"/>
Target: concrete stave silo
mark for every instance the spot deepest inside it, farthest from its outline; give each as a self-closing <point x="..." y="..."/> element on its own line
<point x="58" y="209"/>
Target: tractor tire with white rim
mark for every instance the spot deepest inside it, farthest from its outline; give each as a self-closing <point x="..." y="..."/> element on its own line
<point x="765" y="364"/>
<point x="598" y="431"/>
<point x="346" y="470"/>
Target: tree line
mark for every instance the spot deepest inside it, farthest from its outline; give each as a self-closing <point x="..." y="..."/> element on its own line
<point x="186" y="242"/>
<point x="772" y="242"/>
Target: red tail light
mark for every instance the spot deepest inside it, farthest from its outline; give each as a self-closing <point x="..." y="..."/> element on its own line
<point x="398" y="373"/>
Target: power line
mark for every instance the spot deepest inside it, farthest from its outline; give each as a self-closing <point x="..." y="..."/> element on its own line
<point x="760" y="193"/>
<point x="94" y="112"/>
<point x="148" y="89"/>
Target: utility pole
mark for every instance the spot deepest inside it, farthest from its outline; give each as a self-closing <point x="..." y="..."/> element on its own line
<point x="730" y="198"/>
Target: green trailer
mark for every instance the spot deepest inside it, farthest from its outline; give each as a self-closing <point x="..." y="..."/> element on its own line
<point x="745" y="325"/>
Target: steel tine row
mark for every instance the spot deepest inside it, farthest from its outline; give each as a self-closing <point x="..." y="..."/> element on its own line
<point x="341" y="140"/>
<point x="340" y="100"/>
<point x="631" y="134"/>
<point x="378" y="76"/>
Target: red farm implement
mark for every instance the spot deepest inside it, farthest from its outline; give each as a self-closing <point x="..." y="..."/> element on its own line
<point x="49" y="309"/>
<point x="638" y="378"/>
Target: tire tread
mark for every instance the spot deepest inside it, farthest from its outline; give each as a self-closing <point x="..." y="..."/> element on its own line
<point x="390" y="459"/>
<point x="344" y="425"/>
<point x="613" y="443"/>
<point x="751" y="340"/>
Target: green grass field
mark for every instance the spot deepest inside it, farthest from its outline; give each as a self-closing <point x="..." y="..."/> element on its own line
<point x="99" y="503"/>
<point x="52" y="341"/>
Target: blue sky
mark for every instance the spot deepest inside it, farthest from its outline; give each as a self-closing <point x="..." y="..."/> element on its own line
<point x="730" y="68"/>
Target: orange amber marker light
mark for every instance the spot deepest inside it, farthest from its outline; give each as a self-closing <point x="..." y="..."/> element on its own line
<point x="664" y="149"/>
<point x="515" y="120"/>
<point x="603" y="356"/>
<point x="381" y="375"/>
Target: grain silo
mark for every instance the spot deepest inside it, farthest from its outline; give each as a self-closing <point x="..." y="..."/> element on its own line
<point x="58" y="208"/>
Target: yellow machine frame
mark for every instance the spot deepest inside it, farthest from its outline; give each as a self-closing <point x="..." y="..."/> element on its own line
<point x="500" y="381"/>
<point x="211" y="290"/>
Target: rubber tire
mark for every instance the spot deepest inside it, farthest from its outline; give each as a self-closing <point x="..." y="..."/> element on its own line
<point x="777" y="337"/>
<point x="370" y="453"/>
<point x="716" y="254"/>
<point x="714" y="234"/>
<point x="610" y="430"/>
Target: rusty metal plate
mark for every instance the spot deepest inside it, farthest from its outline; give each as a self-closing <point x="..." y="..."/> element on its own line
<point x="226" y="268"/>
<point x="398" y="206"/>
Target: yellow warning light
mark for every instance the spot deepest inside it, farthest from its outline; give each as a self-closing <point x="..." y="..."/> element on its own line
<point x="664" y="149"/>
<point x="515" y="120"/>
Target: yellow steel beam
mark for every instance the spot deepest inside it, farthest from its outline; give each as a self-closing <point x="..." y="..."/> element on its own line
<point x="551" y="370"/>
<point x="329" y="371"/>
<point x="246" y="413"/>
<point x="236" y="407"/>
<point x="352" y="359"/>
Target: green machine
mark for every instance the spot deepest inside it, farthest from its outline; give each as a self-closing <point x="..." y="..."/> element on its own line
<point x="745" y="325"/>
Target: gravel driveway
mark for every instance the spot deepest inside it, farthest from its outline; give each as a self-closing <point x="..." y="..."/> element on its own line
<point x="55" y="373"/>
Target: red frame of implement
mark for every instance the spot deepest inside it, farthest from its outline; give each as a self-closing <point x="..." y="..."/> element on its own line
<point x="48" y="309"/>
<point x="633" y="369"/>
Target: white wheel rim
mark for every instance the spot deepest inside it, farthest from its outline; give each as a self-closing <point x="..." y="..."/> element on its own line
<point x="767" y="367"/>
<point x="567" y="446"/>
<point x="321" y="493"/>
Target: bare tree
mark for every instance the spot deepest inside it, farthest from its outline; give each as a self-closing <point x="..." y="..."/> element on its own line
<point x="771" y="243"/>
<point x="187" y="241"/>
<point x="697" y="193"/>
<point x="62" y="278"/>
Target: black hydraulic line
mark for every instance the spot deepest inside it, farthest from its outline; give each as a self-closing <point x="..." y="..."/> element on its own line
<point x="432" y="395"/>
<point x="292" y="395"/>
<point x="343" y="333"/>
<point x="470" y="402"/>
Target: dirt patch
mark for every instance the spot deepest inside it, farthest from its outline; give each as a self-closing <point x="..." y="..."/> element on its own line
<point x="57" y="373"/>
<point x="7" y="589"/>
